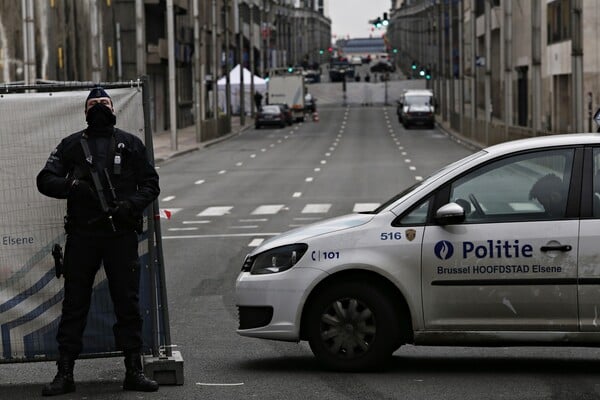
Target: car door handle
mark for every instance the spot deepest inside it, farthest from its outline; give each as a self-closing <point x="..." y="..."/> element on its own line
<point x="564" y="247"/>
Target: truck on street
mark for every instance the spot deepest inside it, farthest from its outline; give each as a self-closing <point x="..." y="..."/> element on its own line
<point x="287" y="87"/>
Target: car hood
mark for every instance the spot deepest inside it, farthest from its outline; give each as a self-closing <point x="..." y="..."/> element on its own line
<point x="299" y="235"/>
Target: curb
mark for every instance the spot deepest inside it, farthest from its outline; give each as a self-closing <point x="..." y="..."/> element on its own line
<point x="199" y="146"/>
<point x="458" y="138"/>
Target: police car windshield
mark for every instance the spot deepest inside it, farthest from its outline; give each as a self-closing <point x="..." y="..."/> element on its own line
<point x="433" y="177"/>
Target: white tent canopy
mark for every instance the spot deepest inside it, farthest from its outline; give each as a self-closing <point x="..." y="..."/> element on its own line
<point x="260" y="85"/>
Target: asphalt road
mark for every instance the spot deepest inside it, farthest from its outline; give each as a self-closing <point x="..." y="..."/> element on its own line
<point x="228" y="197"/>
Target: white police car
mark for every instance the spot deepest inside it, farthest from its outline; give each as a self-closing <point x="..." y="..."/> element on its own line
<point x="500" y="248"/>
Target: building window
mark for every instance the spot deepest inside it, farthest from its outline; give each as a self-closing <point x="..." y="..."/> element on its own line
<point x="480" y="6"/>
<point x="559" y="21"/>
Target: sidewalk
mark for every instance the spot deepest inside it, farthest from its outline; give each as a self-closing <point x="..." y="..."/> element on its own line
<point x="186" y="139"/>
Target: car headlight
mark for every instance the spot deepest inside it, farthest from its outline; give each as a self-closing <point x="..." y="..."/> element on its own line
<point x="275" y="260"/>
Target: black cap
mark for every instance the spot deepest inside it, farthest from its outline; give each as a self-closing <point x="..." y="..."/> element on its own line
<point x="96" y="92"/>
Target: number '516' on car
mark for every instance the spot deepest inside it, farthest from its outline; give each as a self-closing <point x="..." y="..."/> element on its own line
<point x="499" y="248"/>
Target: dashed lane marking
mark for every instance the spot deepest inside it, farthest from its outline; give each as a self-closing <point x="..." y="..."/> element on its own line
<point x="215" y="211"/>
<point x="267" y="209"/>
<point x="316" y="208"/>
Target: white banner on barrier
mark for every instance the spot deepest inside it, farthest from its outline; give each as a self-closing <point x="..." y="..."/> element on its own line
<point x="31" y="126"/>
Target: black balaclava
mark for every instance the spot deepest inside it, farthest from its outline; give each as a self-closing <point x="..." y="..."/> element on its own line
<point x="99" y="117"/>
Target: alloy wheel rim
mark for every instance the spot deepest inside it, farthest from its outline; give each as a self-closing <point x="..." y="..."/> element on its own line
<point x="348" y="328"/>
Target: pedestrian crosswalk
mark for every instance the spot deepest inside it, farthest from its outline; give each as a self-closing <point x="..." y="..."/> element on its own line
<point x="310" y="209"/>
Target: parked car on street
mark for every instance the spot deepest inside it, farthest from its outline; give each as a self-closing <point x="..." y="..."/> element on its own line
<point x="287" y="112"/>
<point x="270" y="115"/>
<point x="416" y="107"/>
<point x="497" y="249"/>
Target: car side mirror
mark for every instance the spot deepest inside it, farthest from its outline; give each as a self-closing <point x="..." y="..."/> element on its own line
<point x="449" y="214"/>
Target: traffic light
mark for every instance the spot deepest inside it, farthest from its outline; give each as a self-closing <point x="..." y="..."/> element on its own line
<point x="422" y="72"/>
<point x="330" y="49"/>
<point x="290" y="69"/>
<point x="321" y="51"/>
<point x="414" y="65"/>
<point x="385" y="21"/>
<point x="427" y="74"/>
<point x="377" y="22"/>
<point x="395" y="51"/>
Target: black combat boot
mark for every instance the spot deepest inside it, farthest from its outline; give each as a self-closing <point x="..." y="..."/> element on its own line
<point x="134" y="375"/>
<point x="63" y="381"/>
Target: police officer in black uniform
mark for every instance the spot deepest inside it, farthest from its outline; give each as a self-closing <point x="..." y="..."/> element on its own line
<point x="106" y="177"/>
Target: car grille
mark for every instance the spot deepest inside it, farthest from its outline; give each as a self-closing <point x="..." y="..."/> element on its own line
<point x="254" y="317"/>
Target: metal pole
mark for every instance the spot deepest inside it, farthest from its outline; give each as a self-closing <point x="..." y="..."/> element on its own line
<point x="252" y="66"/>
<point x="444" y="62"/>
<point x="461" y="66"/>
<point x="577" y="65"/>
<point x="451" y="81"/>
<point x="508" y="82"/>
<point x="536" y="61"/>
<point x="119" y="59"/>
<point x="473" y="18"/>
<point x="215" y="67"/>
<point x="172" y="93"/>
<point x="199" y="79"/>
<point x="227" y="53"/>
<point x="140" y="38"/>
<point x="156" y="262"/>
<point x="242" y="89"/>
<point x="488" y="69"/>
<point x="94" y="45"/>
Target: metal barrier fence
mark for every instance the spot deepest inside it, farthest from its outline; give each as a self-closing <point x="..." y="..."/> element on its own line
<point x="33" y="120"/>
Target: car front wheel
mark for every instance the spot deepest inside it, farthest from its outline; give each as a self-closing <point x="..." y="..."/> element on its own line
<point x="352" y="327"/>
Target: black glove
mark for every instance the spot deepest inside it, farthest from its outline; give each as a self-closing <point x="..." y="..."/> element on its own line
<point x="80" y="189"/>
<point x="122" y="210"/>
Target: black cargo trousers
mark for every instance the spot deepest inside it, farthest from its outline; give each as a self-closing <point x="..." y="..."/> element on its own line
<point x="83" y="255"/>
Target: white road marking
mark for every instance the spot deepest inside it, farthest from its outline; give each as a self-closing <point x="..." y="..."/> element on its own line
<point x="168" y="198"/>
<point x="317" y="169"/>
<point x="323" y="162"/>
<point x="316" y="208"/>
<point x="263" y="149"/>
<point x="199" y="182"/>
<point x="401" y="148"/>
<point x="296" y="225"/>
<point x="297" y="194"/>
<point x="272" y="145"/>
<point x="412" y="168"/>
<point x="252" y="155"/>
<point x="254" y="220"/>
<point x="243" y="227"/>
<point x="256" y="242"/>
<point x="219" y="384"/>
<point x="307" y="218"/>
<point x="202" y="221"/>
<point x="327" y="154"/>
<point x="418" y="178"/>
<point x="331" y="148"/>
<point x="215" y="211"/>
<point x="221" y="235"/>
<point x="239" y="164"/>
<point x="221" y="172"/>
<point x="362" y="207"/>
<point x="403" y="153"/>
<point x="407" y="160"/>
<point x="183" y="229"/>
<point x="267" y="209"/>
<point x="309" y="179"/>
